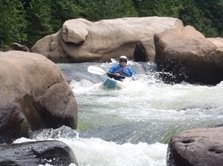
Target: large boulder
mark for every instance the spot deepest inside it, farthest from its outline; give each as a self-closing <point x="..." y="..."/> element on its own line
<point x="217" y="41"/>
<point x="196" y="147"/>
<point x="189" y="55"/>
<point x="80" y="40"/>
<point x="37" y="153"/>
<point x="33" y="95"/>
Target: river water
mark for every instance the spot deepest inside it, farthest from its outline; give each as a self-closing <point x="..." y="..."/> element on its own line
<point x="132" y="126"/>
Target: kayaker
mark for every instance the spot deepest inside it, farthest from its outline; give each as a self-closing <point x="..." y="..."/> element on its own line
<point x="121" y="70"/>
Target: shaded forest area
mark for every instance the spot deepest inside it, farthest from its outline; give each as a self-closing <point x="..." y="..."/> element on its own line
<point x="26" y="21"/>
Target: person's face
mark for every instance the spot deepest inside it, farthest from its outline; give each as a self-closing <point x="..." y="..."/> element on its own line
<point x="123" y="62"/>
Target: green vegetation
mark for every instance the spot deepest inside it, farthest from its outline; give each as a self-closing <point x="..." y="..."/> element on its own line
<point x="12" y="23"/>
<point x="107" y="9"/>
<point x="26" y="21"/>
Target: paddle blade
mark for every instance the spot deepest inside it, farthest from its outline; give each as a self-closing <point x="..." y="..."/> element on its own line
<point x="96" y="70"/>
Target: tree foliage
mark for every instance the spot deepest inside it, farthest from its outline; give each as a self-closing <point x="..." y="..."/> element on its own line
<point x="12" y="22"/>
<point x="158" y="8"/>
<point x="26" y="21"/>
<point x="39" y="18"/>
<point x="64" y="10"/>
<point x="212" y="12"/>
<point x="108" y="9"/>
<point x="204" y="15"/>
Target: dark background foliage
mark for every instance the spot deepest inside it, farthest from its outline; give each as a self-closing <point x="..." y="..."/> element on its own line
<point x="26" y="21"/>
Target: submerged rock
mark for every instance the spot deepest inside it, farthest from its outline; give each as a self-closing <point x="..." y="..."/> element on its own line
<point x="35" y="153"/>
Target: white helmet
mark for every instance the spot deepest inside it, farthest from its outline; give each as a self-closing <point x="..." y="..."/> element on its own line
<point x="123" y="57"/>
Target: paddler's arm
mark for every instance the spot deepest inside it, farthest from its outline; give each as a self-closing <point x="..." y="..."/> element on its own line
<point x="115" y="76"/>
<point x="128" y="72"/>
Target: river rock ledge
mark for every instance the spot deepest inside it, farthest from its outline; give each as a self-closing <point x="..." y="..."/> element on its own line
<point x="80" y="40"/>
<point x="33" y="95"/>
<point x="196" y="147"/>
<point x="181" y="52"/>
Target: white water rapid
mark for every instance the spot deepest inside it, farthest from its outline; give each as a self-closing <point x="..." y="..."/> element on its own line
<point x="132" y="126"/>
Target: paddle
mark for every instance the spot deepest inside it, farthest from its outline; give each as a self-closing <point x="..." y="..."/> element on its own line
<point x="99" y="71"/>
<point x="96" y="70"/>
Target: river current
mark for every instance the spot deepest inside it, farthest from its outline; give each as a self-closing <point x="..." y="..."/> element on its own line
<point x="131" y="126"/>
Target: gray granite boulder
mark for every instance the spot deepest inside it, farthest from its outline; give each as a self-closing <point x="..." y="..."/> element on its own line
<point x="196" y="147"/>
<point x="33" y="95"/>
<point x="189" y="55"/>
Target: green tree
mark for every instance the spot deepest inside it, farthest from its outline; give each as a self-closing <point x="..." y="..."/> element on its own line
<point x="192" y="14"/>
<point x="204" y="15"/>
<point x="39" y="20"/>
<point x="158" y="7"/>
<point x="212" y="11"/>
<point x="12" y="23"/>
<point x="64" y="10"/>
<point x="107" y="9"/>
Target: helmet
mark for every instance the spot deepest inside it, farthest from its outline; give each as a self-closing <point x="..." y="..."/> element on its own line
<point x="123" y="58"/>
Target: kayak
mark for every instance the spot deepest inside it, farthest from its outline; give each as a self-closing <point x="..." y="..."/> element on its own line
<point x="111" y="83"/>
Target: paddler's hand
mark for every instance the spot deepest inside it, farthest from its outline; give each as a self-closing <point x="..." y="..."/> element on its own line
<point x="117" y="74"/>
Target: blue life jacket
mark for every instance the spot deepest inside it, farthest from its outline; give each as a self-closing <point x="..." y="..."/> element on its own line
<point x="125" y="71"/>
